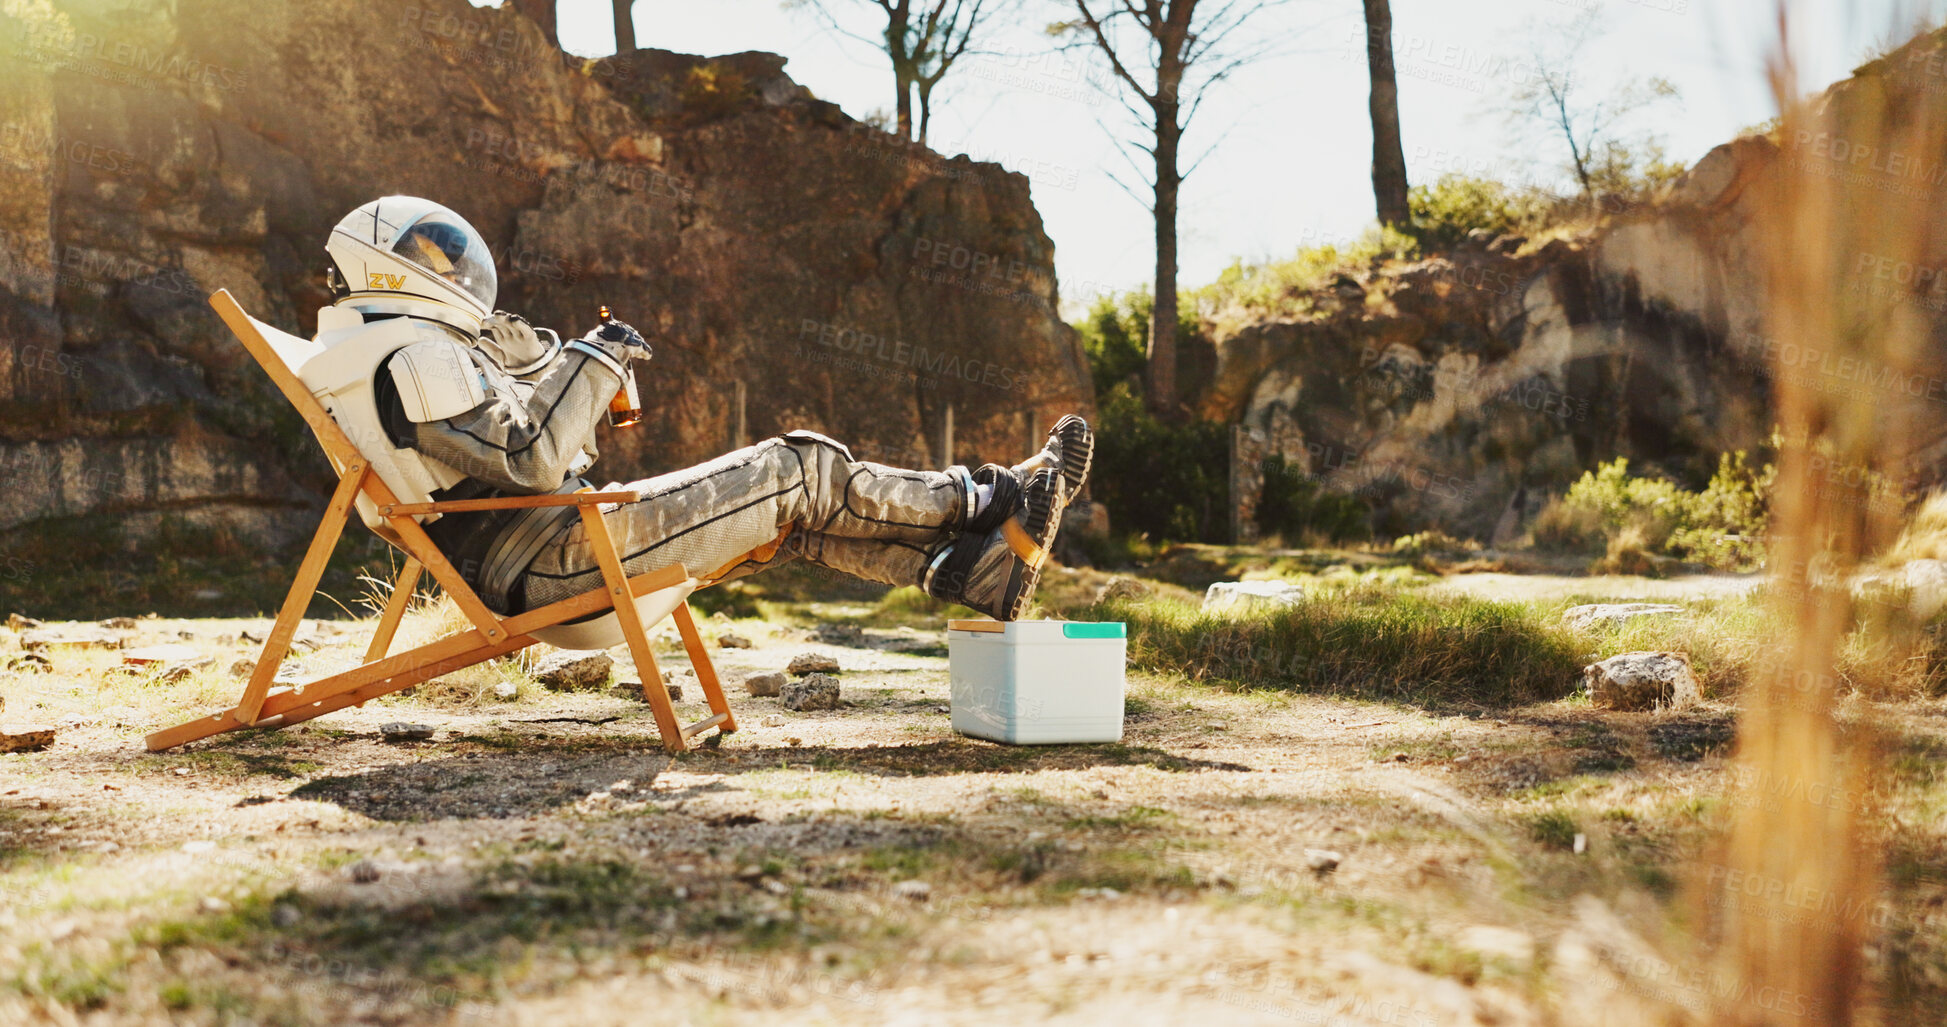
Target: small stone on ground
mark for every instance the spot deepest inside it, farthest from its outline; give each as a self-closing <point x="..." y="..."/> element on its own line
<point x="1121" y="587"/>
<point x="632" y="690"/>
<point x="764" y="684"/>
<point x="732" y="640"/>
<point x="572" y="670"/>
<point x="1643" y="681"/>
<point x="25" y="737"/>
<point x="840" y="634"/>
<point x="812" y="663"/>
<point x="1594" y="615"/>
<point x="92" y="636"/>
<point x="1239" y="596"/>
<point x="400" y="731"/>
<point x="813" y="692"/>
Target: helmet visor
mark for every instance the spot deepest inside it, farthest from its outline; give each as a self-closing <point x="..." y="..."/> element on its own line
<point x="447" y="246"/>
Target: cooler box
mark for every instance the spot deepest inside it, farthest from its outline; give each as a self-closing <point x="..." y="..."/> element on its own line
<point x="1037" y="682"/>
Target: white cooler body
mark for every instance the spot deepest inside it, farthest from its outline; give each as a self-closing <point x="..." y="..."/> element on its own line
<point x="1037" y="682"/>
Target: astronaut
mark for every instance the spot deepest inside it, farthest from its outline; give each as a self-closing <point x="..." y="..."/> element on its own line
<point x="452" y="399"/>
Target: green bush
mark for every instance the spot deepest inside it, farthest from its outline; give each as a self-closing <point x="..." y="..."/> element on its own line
<point x="1446" y="210"/>
<point x="1115" y="335"/>
<point x="1168" y="481"/>
<point x="1633" y="520"/>
<point x="1294" y="506"/>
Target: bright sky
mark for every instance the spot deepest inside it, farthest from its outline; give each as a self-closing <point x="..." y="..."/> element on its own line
<point x="1294" y="164"/>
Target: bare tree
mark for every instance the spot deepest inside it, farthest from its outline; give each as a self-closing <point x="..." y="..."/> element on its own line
<point x="923" y="39"/>
<point x="540" y="12"/>
<point x="624" y="25"/>
<point x="1167" y="53"/>
<point x="1388" y="156"/>
<point x="1555" y="96"/>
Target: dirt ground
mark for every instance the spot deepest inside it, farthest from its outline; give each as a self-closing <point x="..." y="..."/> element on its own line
<point x="1240" y="858"/>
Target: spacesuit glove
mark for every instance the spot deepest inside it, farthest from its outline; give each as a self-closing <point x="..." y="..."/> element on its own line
<point x="513" y="342"/>
<point x="618" y="334"/>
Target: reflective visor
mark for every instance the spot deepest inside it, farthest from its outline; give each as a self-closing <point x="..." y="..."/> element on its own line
<point x="447" y="246"/>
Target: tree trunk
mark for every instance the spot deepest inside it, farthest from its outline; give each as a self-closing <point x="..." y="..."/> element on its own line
<point x="1388" y="157"/>
<point x="925" y="110"/>
<point x="1169" y="180"/>
<point x="625" y="25"/>
<point x="903" y="70"/>
<point x="540" y="12"/>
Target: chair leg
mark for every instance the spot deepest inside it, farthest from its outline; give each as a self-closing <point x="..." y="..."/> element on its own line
<point x="617" y="580"/>
<point x="706" y="670"/>
<point x="302" y="589"/>
<point x="395" y="609"/>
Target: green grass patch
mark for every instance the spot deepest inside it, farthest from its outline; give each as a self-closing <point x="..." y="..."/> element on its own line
<point x="1364" y="641"/>
<point x="1133" y="818"/>
<point x="1553" y="828"/>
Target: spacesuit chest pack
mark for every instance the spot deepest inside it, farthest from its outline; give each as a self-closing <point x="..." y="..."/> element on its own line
<point x="436" y="376"/>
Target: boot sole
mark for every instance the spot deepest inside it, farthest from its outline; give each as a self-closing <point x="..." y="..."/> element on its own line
<point x="1040" y="521"/>
<point x="1077" y="453"/>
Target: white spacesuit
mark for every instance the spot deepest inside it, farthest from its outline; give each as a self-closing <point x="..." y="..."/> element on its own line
<point x="451" y="399"/>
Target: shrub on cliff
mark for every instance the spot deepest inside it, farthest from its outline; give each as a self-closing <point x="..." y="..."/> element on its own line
<point x="1445" y="210"/>
<point x="1634" y="520"/>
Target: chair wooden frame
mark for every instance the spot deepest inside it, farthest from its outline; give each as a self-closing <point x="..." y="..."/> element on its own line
<point x="490" y="635"/>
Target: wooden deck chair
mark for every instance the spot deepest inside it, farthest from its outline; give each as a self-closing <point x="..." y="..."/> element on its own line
<point x="632" y="605"/>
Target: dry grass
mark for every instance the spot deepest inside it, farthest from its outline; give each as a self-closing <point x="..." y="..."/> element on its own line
<point x="1925" y="535"/>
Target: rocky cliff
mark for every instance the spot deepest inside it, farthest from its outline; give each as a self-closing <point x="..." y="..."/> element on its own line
<point x="792" y="267"/>
<point x="1463" y="390"/>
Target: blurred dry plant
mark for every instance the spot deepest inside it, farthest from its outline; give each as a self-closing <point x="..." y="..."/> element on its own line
<point x="433" y="616"/>
<point x="1794" y="950"/>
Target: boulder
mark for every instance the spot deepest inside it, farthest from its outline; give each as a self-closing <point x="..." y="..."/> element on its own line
<point x="1643" y="681"/>
<point x="812" y="663"/>
<point x="812" y="692"/>
<point x="573" y="670"/>
<point x="1604" y="615"/>
<point x="1248" y="596"/>
<point x="21" y="622"/>
<point x="765" y="684"/>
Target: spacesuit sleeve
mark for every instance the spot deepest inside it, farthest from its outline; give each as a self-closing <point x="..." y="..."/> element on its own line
<point x="522" y="441"/>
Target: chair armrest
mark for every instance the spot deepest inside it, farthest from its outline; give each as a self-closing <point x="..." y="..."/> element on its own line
<point x="510" y="503"/>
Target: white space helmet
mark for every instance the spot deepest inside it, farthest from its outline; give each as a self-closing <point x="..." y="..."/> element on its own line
<point x="405" y="255"/>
